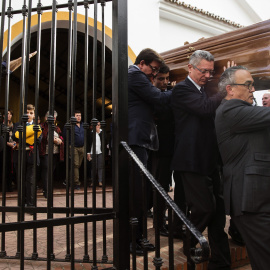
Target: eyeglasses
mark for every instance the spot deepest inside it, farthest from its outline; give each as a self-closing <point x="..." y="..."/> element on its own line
<point x="249" y="85"/>
<point x="154" y="69"/>
<point x="204" y="71"/>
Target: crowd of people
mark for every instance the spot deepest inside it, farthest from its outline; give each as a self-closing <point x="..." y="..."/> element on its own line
<point x="58" y="142"/>
<point x="216" y="148"/>
<point x="219" y="156"/>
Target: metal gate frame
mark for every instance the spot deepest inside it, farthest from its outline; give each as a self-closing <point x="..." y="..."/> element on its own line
<point x="119" y="213"/>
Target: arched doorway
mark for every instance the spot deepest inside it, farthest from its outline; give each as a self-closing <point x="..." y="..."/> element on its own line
<point x="61" y="74"/>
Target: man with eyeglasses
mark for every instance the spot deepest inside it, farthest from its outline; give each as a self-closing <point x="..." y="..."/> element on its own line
<point x="143" y="96"/>
<point x="243" y="133"/>
<point x="196" y="156"/>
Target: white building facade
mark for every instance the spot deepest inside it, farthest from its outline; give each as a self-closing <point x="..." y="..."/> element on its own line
<point x="162" y="24"/>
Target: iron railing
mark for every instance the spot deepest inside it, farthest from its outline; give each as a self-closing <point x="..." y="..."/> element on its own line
<point x="194" y="255"/>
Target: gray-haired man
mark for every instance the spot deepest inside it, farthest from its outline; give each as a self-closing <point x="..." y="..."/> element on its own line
<point x="243" y="138"/>
<point x="196" y="156"/>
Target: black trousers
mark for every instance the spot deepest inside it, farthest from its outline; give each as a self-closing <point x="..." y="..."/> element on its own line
<point x="255" y="230"/>
<point x="44" y="168"/>
<point x="137" y="191"/>
<point x="163" y="176"/>
<point x="207" y="209"/>
<point x="29" y="182"/>
<point x="180" y="200"/>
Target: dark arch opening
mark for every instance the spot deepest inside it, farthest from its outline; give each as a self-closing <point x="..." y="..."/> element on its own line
<point x="61" y="76"/>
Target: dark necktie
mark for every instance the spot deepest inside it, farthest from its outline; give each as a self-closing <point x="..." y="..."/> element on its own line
<point x="203" y="92"/>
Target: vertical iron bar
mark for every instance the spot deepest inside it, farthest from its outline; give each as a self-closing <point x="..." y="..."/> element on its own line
<point x="68" y="127"/>
<point x="73" y="123"/>
<point x="94" y="123"/>
<point x="22" y="136"/>
<point x="28" y="41"/>
<point x="2" y="37"/>
<point x="187" y="246"/>
<point x="170" y="240"/>
<point x="50" y="120"/>
<point x="35" y="128"/>
<point x="103" y="125"/>
<point x="144" y="221"/>
<point x="94" y="62"/>
<point x="39" y="12"/>
<point x="157" y="260"/>
<point x="121" y="256"/>
<point x="133" y="220"/>
<point x="86" y="126"/>
<point x="6" y="129"/>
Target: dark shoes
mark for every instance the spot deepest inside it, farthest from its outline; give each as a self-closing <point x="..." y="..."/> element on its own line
<point x="148" y="246"/>
<point x="139" y="250"/>
<point x="77" y="187"/>
<point x="140" y="245"/>
<point x="236" y="236"/>
<point x="164" y="231"/>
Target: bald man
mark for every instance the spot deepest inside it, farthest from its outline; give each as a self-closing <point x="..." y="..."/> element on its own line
<point x="266" y="100"/>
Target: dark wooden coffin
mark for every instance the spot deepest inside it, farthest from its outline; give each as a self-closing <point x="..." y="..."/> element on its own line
<point x="248" y="46"/>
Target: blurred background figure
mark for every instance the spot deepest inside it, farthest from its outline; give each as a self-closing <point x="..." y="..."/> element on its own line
<point x="266" y="100"/>
<point x="58" y="150"/>
<point x="99" y="156"/>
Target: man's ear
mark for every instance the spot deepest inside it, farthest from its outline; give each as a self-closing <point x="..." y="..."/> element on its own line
<point x="229" y="90"/>
<point x="189" y="68"/>
<point x="142" y="62"/>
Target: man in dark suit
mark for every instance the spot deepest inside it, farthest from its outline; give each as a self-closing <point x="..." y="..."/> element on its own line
<point x="243" y="133"/>
<point x="162" y="158"/>
<point x="142" y="133"/>
<point x="195" y="160"/>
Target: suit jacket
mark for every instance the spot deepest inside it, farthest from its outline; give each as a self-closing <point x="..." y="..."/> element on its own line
<point x="243" y="135"/>
<point x="142" y="97"/>
<point x="195" y="147"/>
<point x="164" y="120"/>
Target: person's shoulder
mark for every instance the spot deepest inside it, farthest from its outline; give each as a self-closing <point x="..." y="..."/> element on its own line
<point x="235" y="103"/>
<point x="185" y="85"/>
<point x="231" y="105"/>
<point x="132" y="69"/>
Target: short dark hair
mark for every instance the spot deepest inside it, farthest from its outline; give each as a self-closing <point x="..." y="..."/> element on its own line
<point x="227" y="78"/>
<point x="77" y="111"/>
<point x="164" y="69"/>
<point x="30" y="107"/>
<point x="148" y="55"/>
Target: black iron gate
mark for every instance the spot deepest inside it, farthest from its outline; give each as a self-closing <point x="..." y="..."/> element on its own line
<point x="99" y="247"/>
<point x="70" y="214"/>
